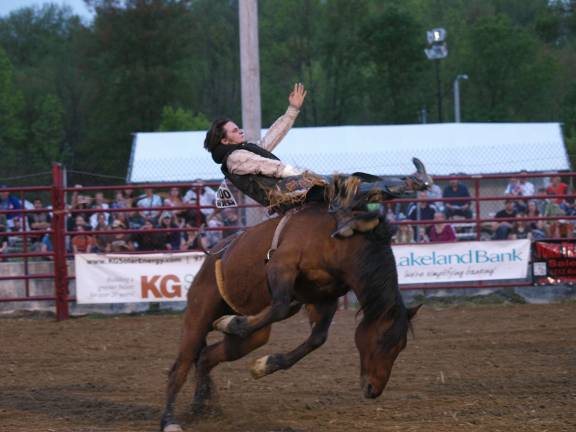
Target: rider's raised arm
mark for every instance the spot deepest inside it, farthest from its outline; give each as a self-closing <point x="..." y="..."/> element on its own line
<point x="280" y="128"/>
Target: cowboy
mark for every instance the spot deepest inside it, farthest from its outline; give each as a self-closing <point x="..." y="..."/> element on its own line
<point x="258" y="173"/>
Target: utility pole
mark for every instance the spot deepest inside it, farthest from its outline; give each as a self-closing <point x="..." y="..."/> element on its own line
<point x="250" y="69"/>
<point x="250" y="86"/>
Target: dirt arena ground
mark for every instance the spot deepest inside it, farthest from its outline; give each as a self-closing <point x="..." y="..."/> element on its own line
<point x="469" y="368"/>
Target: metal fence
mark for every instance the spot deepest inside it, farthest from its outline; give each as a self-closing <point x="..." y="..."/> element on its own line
<point x="36" y="258"/>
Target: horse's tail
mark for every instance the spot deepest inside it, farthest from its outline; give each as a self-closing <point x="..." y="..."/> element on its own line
<point x="226" y="242"/>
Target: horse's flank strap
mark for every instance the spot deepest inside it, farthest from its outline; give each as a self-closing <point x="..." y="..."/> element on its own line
<point x="277" y="232"/>
<point x="221" y="286"/>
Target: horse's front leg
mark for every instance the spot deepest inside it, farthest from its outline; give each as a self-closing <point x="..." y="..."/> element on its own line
<point x="320" y="316"/>
<point x="281" y="279"/>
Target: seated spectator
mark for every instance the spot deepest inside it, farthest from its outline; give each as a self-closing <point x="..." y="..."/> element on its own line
<point x="521" y="229"/>
<point x="215" y="225"/>
<point x="441" y="231"/>
<point x="174" y="199"/>
<point x="135" y="220"/>
<point x="422" y="210"/>
<point x="207" y="198"/>
<point x="171" y="239"/>
<point x="502" y="229"/>
<point x="8" y="201"/>
<point x="82" y="242"/>
<point x="557" y="187"/>
<point x="556" y="228"/>
<point x="146" y="240"/>
<point x="192" y="239"/>
<point x="456" y="189"/>
<point x="436" y="192"/>
<point x="528" y="188"/>
<point x="102" y="240"/>
<point x="532" y="211"/>
<point x="516" y="190"/>
<point x="149" y="201"/>
<point x="16" y="242"/>
<point x="38" y="222"/>
<point x="230" y="219"/>
<point x="99" y="217"/>
<point x="119" y="201"/>
<point x="120" y="242"/>
<point x="405" y="234"/>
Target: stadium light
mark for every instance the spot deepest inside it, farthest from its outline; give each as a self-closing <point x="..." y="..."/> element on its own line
<point x="437" y="51"/>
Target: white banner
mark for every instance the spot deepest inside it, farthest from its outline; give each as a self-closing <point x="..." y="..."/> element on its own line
<point x="135" y="278"/>
<point x="460" y="262"/>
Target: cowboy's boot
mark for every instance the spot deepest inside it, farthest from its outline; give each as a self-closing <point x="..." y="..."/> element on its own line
<point x="419" y="181"/>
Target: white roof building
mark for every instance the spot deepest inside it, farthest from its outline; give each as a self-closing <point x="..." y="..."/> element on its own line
<point x="446" y="148"/>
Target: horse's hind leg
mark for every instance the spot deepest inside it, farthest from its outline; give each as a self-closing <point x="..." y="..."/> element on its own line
<point x="281" y="279"/>
<point x="320" y="316"/>
<point x="229" y="349"/>
<point x="197" y="324"/>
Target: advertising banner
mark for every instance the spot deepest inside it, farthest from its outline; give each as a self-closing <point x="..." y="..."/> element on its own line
<point x="554" y="261"/>
<point x="135" y="278"/>
<point x="460" y="262"/>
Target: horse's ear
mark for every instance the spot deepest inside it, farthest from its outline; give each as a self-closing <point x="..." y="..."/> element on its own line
<point x="413" y="311"/>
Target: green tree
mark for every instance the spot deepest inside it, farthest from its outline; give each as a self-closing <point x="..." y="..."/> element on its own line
<point x="179" y="119"/>
<point x="12" y="131"/>
<point x="46" y="143"/>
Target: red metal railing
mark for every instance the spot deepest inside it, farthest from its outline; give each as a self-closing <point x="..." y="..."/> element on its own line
<point x="58" y="232"/>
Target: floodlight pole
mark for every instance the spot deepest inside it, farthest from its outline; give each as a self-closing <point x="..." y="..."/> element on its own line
<point x="439" y="91"/>
<point x="250" y="69"/>
<point x="457" y="97"/>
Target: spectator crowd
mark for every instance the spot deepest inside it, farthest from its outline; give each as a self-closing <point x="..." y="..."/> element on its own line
<point x="127" y="221"/>
<point x="124" y="222"/>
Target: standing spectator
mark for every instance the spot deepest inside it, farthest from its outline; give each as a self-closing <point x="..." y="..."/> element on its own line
<point x="9" y="202"/>
<point x="503" y="229"/>
<point x="456" y="189"/>
<point x="441" y="231"/>
<point x="207" y="198"/>
<point x="150" y="200"/>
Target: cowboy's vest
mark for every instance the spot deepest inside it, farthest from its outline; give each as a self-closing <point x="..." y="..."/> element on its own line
<point x="253" y="185"/>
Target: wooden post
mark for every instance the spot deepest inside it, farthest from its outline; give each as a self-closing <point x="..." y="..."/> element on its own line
<point x="250" y="69"/>
<point x="250" y="84"/>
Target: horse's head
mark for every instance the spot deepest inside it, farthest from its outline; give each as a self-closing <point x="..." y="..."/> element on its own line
<point x="379" y="342"/>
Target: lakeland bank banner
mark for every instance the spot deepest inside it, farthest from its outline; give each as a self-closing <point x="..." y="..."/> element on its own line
<point x="460" y="262"/>
<point x="135" y="278"/>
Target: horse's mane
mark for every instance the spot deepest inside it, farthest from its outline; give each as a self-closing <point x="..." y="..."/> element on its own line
<point x="381" y="297"/>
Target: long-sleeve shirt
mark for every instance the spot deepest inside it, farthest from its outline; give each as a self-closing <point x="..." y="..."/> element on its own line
<point x="242" y="162"/>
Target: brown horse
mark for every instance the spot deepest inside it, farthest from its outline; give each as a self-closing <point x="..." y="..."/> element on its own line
<point x="309" y="267"/>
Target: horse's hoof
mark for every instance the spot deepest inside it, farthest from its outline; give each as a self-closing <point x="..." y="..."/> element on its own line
<point x="172" y="428"/>
<point x="260" y="368"/>
<point x="231" y="324"/>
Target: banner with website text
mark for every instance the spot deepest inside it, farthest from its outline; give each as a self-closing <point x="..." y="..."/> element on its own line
<point x="462" y="261"/>
<point x="135" y="278"/>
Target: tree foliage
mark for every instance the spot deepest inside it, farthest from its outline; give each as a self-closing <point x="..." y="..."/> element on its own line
<point x="75" y="90"/>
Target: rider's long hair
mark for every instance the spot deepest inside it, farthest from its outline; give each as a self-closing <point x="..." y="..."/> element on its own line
<point x="215" y="134"/>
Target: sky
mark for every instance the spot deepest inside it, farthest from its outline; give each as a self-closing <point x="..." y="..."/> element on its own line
<point x="78" y="6"/>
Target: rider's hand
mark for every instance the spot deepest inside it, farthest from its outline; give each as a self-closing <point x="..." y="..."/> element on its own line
<point x="297" y="96"/>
